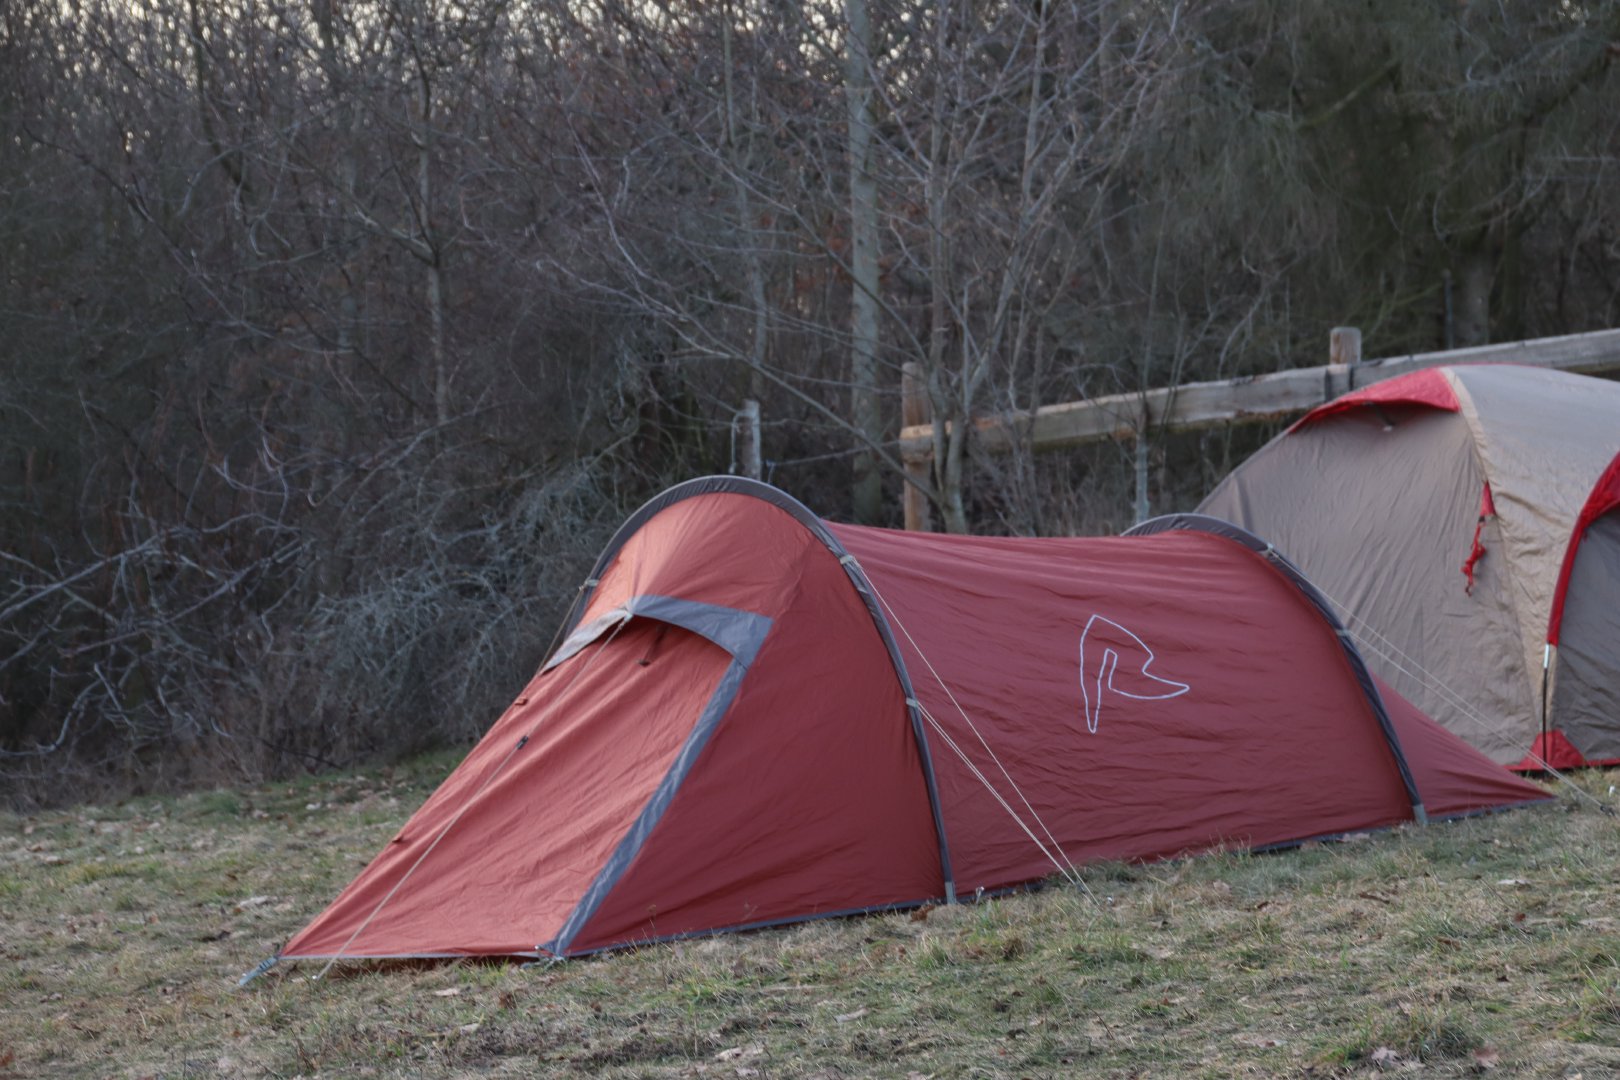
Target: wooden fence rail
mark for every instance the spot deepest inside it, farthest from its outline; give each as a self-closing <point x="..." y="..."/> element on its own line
<point x="1252" y="398"/>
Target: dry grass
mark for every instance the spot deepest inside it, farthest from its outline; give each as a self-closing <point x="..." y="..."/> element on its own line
<point x="1477" y="946"/>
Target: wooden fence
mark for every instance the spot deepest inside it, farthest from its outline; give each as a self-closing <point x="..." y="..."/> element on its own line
<point x="1229" y="401"/>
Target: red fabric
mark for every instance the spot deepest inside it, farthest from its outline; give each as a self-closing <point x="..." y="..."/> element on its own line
<point x="1271" y="741"/>
<point x="1452" y="777"/>
<point x="1556" y="750"/>
<point x="1428" y="387"/>
<point x="519" y="858"/>
<point x="1149" y="696"/>
<point x="1487" y="508"/>
<point x="1605" y="497"/>
<point x="809" y="798"/>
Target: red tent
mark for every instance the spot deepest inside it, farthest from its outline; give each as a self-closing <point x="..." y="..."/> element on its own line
<point x="759" y="717"/>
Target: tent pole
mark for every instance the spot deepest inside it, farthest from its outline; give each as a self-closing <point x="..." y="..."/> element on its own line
<point x="1546" y="668"/>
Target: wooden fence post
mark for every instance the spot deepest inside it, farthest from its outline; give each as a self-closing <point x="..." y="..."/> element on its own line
<point x="1344" y="345"/>
<point x="915" y="412"/>
<point x="1344" y="349"/>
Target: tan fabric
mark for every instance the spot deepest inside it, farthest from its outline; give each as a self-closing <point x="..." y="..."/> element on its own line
<point x="1382" y="517"/>
<point x="1586" y="701"/>
<point x="1381" y="520"/>
<point x="1545" y="437"/>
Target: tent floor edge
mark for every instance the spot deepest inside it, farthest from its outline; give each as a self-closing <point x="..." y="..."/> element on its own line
<point x="764" y="924"/>
<point x="1460" y="815"/>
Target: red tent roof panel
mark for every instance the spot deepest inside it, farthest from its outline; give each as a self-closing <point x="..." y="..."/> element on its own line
<point x="1604" y="498"/>
<point x="1427" y="388"/>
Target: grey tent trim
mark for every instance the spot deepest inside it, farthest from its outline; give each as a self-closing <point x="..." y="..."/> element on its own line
<point x="740" y="633"/>
<point x="737" y="632"/>
<point x="1225" y="529"/>
<point x="738" y="485"/>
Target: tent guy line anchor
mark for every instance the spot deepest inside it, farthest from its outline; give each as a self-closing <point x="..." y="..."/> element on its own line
<point x="1069" y="874"/>
<point x="264" y="966"/>
<point x="1073" y="873"/>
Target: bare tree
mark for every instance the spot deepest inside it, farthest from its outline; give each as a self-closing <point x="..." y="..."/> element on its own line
<point x="865" y="410"/>
<point x="337" y="335"/>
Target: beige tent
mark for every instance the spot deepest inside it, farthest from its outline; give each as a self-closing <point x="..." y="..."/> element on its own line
<point x="1467" y="520"/>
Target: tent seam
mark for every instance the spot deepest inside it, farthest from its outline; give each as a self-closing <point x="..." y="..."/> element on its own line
<point x="1469" y="411"/>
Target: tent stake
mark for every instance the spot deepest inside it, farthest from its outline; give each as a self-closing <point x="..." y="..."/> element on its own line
<point x="256" y="972"/>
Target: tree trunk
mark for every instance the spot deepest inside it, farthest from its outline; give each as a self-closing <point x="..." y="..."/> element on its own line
<point x="435" y="257"/>
<point x="1476" y="273"/>
<point x="737" y="159"/>
<point x="948" y="480"/>
<point x="865" y="404"/>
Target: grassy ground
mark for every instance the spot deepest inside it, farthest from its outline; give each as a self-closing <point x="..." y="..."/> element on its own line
<point x="1490" y="945"/>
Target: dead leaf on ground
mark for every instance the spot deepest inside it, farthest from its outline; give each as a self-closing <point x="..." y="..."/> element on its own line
<point x="1250" y="1038"/>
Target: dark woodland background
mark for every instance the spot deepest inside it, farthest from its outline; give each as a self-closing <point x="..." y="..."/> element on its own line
<point x="338" y="337"/>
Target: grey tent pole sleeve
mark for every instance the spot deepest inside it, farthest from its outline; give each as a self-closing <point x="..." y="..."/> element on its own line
<point x="740" y="634"/>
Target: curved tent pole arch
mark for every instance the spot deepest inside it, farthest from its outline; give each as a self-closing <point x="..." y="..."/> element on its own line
<point x="1225" y="529"/>
<point x="741" y="485"/>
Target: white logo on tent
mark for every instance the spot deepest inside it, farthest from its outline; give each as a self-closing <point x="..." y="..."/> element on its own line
<point x="1109" y="643"/>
